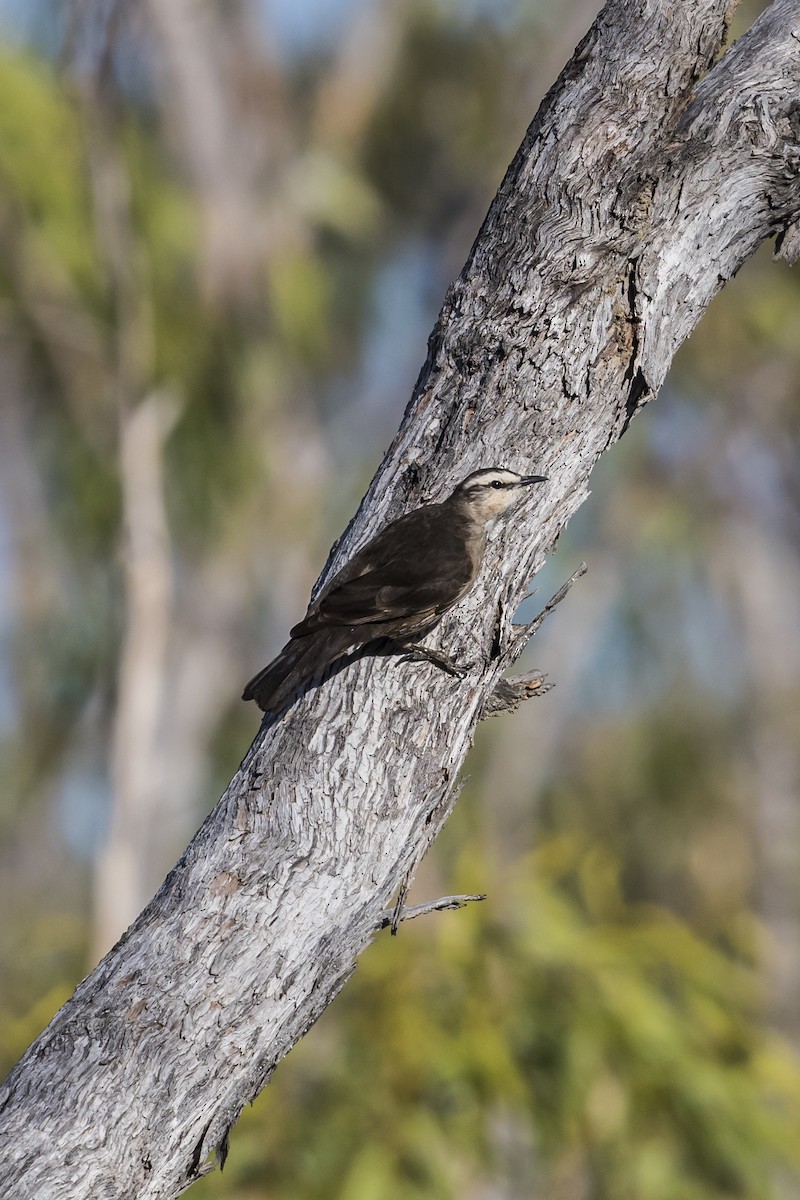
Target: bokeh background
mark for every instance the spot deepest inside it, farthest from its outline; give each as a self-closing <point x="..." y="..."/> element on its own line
<point x="225" y="232"/>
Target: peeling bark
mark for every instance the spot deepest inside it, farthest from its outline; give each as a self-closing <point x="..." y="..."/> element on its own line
<point x="645" y="181"/>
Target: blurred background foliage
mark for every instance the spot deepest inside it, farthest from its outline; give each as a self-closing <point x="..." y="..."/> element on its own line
<point x="226" y="229"/>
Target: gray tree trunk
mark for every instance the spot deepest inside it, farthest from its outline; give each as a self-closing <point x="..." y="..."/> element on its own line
<point x="645" y="181"/>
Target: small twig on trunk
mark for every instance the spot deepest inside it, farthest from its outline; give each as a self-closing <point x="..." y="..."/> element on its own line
<point x="421" y="910"/>
<point x="522" y="633"/>
<point x="511" y="692"/>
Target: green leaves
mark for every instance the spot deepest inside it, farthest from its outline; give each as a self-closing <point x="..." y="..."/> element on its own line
<point x="554" y="1033"/>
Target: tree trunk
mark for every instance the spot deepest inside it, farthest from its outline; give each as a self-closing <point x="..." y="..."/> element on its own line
<point x="638" y="191"/>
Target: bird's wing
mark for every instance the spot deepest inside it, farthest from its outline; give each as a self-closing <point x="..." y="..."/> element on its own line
<point x="373" y="598"/>
<point x="408" y="569"/>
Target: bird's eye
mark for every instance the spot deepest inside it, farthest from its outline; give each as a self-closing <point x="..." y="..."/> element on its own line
<point x="496" y="483"/>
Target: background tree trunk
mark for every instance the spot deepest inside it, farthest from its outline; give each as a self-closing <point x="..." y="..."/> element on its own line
<point x="638" y="191"/>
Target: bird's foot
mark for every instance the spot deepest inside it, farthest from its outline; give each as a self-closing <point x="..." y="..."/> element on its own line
<point x="424" y="654"/>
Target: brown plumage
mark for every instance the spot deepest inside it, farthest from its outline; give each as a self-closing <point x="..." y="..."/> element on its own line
<point x="396" y="587"/>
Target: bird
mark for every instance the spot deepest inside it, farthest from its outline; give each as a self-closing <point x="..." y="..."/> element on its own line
<point x="396" y="587"/>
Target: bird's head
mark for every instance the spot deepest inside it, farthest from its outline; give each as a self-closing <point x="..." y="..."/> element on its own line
<point x="487" y="493"/>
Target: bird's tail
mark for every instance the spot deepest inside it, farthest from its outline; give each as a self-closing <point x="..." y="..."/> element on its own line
<point x="299" y="662"/>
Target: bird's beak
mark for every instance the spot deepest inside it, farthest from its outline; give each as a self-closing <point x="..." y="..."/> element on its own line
<point x="533" y="479"/>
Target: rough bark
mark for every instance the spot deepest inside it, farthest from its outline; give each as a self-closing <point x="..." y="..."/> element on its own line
<point x="638" y="191"/>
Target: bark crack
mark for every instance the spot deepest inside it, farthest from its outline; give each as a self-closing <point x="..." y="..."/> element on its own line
<point x="638" y="387"/>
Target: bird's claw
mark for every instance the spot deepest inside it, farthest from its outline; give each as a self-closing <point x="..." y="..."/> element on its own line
<point x="423" y="654"/>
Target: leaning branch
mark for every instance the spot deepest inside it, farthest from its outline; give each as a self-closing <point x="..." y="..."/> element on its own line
<point x="645" y="181"/>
